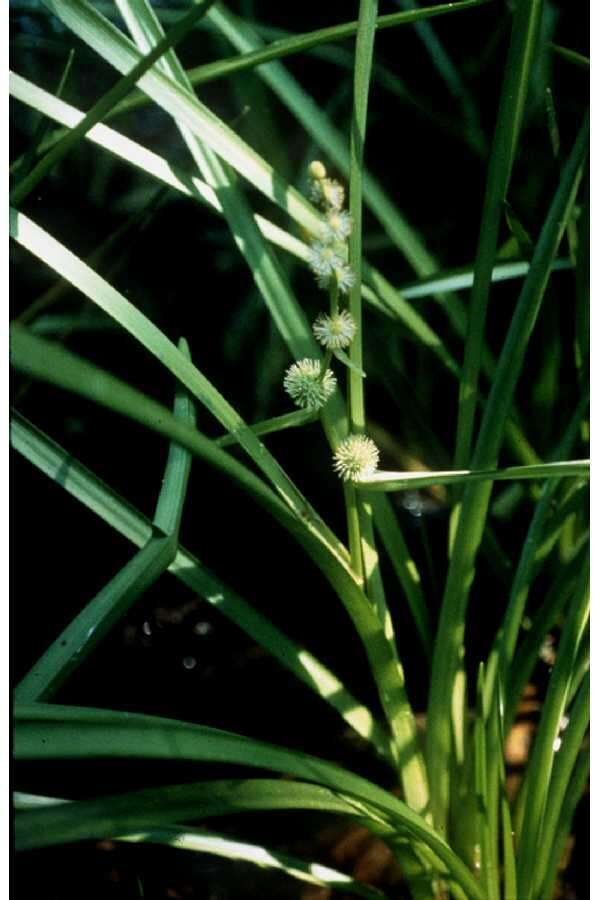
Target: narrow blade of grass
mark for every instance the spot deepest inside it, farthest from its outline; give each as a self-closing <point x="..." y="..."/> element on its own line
<point x="536" y="548"/>
<point x="75" y="643"/>
<point x="274" y="425"/>
<point x="61" y="732"/>
<point x="59" y="258"/>
<point x="450" y="635"/>
<point x="571" y="741"/>
<point x="571" y="56"/>
<point x="113" y="509"/>
<point x="560" y="593"/>
<point x="461" y="279"/>
<point x="402" y="481"/>
<point x="110" y="43"/>
<point x="541" y="766"/>
<point x="49" y="824"/>
<point x="412" y="769"/>
<point x="106" y="103"/>
<point x="399" y="555"/>
<point x="300" y="43"/>
<point x="567" y="813"/>
<point x="40" y="359"/>
<point x="202" y="841"/>
<point x="25" y="162"/>
<point x="489" y="873"/>
<point x="514" y="91"/>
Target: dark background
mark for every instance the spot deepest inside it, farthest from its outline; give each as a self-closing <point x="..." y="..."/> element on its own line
<point x="172" y="655"/>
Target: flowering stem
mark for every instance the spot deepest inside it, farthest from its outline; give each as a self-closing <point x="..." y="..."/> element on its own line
<point x="364" y="557"/>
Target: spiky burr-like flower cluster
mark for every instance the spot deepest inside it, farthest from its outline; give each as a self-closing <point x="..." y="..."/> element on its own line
<point x="328" y="254"/>
<point x="310" y="383"/>
<point x="356" y="457"/>
<point x="307" y="385"/>
<point x="335" y="332"/>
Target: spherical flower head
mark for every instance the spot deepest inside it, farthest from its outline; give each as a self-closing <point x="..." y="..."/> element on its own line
<point x="326" y="262"/>
<point x="324" y="259"/>
<point x="337" y="226"/>
<point x="307" y="387"/>
<point x="356" y="457"/>
<point x="335" y="332"/>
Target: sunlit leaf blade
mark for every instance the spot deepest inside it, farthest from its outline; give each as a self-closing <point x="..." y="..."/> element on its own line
<point x="59" y="732"/>
<point x="95" y="30"/>
<point x="461" y="279"/>
<point x="202" y="841"/>
<point x="402" y="481"/>
<point x="106" y="103"/>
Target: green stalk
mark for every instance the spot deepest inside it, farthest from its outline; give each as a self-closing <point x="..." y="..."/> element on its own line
<point x="449" y="644"/>
<point x="412" y="768"/>
<point x="527" y="655"/>
<point x="572" y="798"/>
<point x="529" y="561"/>
<point x="541" y="767"/>
<point x="512" y="102"/>
<point x="271" y="426"/>
<point x="489" y="874"/>
<point x="564" y="765"/>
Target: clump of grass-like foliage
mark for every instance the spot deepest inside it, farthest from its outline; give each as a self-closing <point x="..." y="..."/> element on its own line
<point x="323" y="257"/>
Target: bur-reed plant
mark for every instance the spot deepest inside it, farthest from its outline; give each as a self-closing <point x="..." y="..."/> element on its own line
<point x="341" y="340"/>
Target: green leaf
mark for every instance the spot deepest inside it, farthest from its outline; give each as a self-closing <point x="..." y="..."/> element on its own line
<point x="489" y="875"/>
<point x="44" y="732"/>
<point x="402" y="481"/>
<point x="112" y="45"/>
<point x="508" y="124"/>
<point x="300" y="43"/>
<point x="346" y="361"/>
<point x="113" y="509"/>
<point x="194" y="839"/>
<point x="542" y="765"/>
<point x="571" y="56"/>
<point x="93" y="623"/>
<point x="566" y="755"/>
<point x="462" y="278"/>
<point x="565" y="828"/>
<point x="449" y="650"/>
<point x="295" y="419"/>
<point x="59" y="258"/>
<point x="107" y="102"/>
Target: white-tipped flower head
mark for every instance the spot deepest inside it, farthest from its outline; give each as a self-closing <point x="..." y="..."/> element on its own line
<point x="335" y="332"/>
<point x="306" y="386"/>
<point x="326" y="262"/>
<point x="337" y="226"/>
<point x="356" y="457"/>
